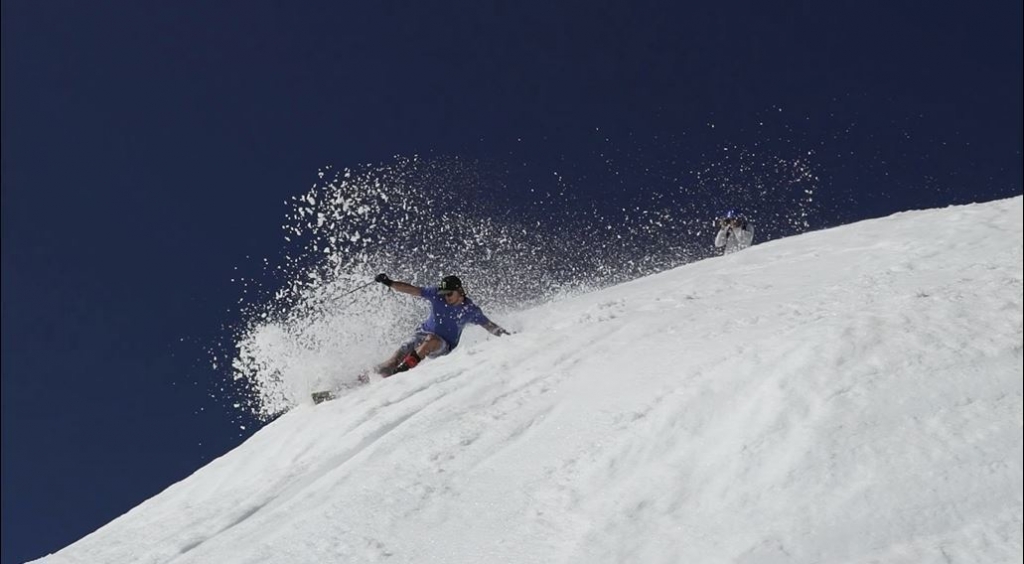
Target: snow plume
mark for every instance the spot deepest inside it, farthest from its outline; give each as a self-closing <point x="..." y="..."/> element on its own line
<point x="514" y="242"/>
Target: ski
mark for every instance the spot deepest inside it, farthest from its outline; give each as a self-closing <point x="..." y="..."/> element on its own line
<point x="328" y="395"/>
<point x="320" y="397"/>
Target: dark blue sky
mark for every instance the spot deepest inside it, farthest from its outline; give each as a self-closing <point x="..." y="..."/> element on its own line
<point x="148" y="149"/>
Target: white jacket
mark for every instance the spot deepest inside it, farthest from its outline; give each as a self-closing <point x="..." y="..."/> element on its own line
<point x="734" y="238"/>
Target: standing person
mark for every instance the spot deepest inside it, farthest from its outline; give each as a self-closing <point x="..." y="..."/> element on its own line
<point x="735" y="232"/>
<point x="438" y="335"/>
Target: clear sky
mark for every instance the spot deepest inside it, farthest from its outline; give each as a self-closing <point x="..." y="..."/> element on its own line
<point x="148" y="150"/>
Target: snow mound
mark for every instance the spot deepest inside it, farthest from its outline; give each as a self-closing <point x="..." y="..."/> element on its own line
<point x="849" y="395"/>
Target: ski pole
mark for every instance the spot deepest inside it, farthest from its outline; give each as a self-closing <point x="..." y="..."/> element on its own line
<point x="354" y="290"/>
<point x="338" y="298"/>
<point x="310" y="314"/>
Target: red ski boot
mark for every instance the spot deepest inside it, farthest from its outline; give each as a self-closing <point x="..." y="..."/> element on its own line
<point x="410" y="361"/>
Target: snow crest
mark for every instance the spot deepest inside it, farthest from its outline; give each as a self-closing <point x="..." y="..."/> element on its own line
<point x="849" y="395"/>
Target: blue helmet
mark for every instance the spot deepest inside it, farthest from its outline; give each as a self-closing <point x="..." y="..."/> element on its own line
<point x="734" y="213"/>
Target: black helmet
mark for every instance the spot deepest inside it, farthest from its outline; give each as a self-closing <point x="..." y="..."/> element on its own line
<point x="450" y="284"/>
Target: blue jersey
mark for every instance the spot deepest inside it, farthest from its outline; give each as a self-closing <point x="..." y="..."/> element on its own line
<point x="446" y="321"/>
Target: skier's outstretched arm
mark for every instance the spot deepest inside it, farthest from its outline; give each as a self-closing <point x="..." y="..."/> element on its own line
<point x="403" y="287"/>
<point x="494" y="329"/>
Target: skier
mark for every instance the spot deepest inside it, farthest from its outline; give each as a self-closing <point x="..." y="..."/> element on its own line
<point x="735" y="232"/>
<point x="450" y="311"/>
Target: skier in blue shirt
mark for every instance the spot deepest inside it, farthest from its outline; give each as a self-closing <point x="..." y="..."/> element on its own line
<point x="450" y="311"/>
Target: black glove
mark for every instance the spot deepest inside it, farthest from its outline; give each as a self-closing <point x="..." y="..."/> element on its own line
<point x="383" y="279"/>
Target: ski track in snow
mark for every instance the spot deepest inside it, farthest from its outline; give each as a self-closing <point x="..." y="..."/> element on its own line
<point x="850" y="395"/>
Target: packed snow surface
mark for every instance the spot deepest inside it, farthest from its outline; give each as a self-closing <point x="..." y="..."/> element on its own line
<point x="848" y="395"/>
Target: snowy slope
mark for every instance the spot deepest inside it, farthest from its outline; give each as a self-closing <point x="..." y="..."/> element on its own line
<point x="850" y="395"/>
